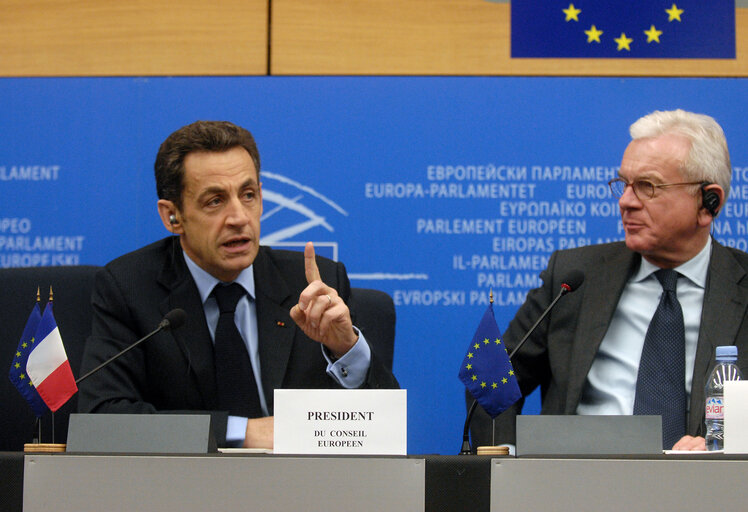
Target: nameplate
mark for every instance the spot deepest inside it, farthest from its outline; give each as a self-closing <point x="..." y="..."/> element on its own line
<point x="539" y="435"/>
<point x="140" y="433"/>
<point x="736" y="416"/>
<point x="340" y="421"/>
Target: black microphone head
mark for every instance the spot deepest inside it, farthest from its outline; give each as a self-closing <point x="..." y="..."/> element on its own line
<point x="573" y="280"/>
<point x="174" y="319"/>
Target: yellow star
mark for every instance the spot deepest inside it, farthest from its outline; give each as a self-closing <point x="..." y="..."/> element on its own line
<point x="653" y="34"/>
<point x="474" y="378"/>
<point x="511" y="372"/>
<point x="22" y="376"/>
<point x="674" y="13"/>
<point x="18" y="365"/>
<point x="504" y="381"/>
<point x="623" y="42"/>
<point x="497" y="341"/>
<point x="572" y="13"/>
<point x="483" y="384"/>
<point x="24" y="344"/>
<point x="494" y="385"/>
<point x="593" y="34"/>
<point x="476" y="346"/>
<point x="18" y="354"/>
<point x="469" y="367"/>
<point x="470" y="355"/>
<point x="31" y="384"/>
<point x="485" y="341"/>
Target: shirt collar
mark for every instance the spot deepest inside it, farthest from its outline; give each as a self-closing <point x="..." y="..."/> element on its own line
<point x="694" y="269"/>
<point x="206" y="282"/>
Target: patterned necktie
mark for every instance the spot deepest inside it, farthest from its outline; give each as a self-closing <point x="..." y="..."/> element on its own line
<point x="237" y="389"/>
<point x="660" y="386"/>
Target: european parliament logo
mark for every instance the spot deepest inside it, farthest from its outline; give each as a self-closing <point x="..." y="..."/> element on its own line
<point x="293" y="213"/>
<point x="652" y="29"/>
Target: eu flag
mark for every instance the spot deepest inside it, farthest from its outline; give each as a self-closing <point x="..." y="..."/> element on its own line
<point x="18" y="375"/>
<point x="486" y="370"/>
<point x="652" y="29"/>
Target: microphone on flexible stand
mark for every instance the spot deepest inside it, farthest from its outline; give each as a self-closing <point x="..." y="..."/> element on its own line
<point x="172" y="320"/>
<point x="573" y="280"/>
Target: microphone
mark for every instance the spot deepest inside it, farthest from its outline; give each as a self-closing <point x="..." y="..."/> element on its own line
<point x="172" y="320"/>
<point x="572" y="281"/>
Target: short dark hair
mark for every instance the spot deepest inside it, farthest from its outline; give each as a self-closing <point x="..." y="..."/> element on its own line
<point x="199" y="136"/>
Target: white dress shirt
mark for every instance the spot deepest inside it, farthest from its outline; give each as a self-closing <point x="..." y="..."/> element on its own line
<point x="610" y="387"/>
<point x="349" y="371"/>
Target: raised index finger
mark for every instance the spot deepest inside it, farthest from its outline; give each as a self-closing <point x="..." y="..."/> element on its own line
<point x="310" y="264"/>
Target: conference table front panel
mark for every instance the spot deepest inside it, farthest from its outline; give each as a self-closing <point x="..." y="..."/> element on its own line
<point x="70" y="482"/>
<point x="77" y="483"/>
<point x="696" y="482"/>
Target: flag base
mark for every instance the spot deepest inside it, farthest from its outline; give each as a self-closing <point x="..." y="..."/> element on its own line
<point x="44" y="447"/>
<point x="493" y="450"/>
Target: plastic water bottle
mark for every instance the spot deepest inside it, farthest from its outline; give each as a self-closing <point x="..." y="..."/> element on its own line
<point x="725" y="369"/>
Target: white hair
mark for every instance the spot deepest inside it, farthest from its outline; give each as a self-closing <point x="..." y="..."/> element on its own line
<point x="708" y="159"/>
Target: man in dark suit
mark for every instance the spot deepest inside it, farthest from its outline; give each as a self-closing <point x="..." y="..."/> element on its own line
<point x="294" y="327"/>
<point x="673" y="180"/>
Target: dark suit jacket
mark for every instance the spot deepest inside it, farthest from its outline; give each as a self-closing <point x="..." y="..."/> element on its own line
<point x="174" y="371"/>
<point x="558" y="356"/>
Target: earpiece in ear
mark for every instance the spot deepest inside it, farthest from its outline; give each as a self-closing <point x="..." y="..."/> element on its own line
<point x="173" y="219"/>
<point x="710" y="200"/>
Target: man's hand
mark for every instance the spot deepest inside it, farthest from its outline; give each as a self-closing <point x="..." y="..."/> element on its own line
<point x="259" y="433"/>
<point x="689" y="443"/>
<point x="321" y="313"/>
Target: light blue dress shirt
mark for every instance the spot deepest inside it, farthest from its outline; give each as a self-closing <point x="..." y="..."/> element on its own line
<point x="611" y="383"/>
<point x="349" y="371"/>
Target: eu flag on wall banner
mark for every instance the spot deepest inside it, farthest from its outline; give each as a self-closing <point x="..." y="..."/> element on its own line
<point x="486" y="370"/>
<point x="18" y="375"/>
<point x="690" y="29"/>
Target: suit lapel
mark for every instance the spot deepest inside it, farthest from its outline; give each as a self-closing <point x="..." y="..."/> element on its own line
<point x="722" y="314"/>
<point x="193" y="338"/>
<point x="604" y="283"/>
<point x="275" y="328"/>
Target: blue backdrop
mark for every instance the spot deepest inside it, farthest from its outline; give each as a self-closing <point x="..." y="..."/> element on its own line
<point x="435" y="190"/>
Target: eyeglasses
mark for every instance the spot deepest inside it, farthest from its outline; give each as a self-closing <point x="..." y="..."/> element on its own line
<point x="643" y="189"/>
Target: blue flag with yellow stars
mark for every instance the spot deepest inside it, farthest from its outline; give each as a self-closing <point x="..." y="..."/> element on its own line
<point x="18" y="375"/>
<point x="486" y="370"/>
<point x="652" y="29"/>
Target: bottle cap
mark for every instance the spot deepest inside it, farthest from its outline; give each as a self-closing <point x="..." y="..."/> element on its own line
<point x="727" y="352"/>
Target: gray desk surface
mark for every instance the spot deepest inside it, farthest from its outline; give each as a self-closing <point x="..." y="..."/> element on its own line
<point x="196" y="483"/>
<point x="451" y="482"/>
<point x="676" y="483"/>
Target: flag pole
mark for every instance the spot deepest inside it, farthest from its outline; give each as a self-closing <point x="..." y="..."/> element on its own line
<point x="466" y="449"/>
<point x="38" y="446"/>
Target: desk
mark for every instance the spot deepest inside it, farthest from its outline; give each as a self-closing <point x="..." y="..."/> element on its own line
<point x="449" y="482"/>
<point x="613" y="484"/>
<point x="197" y="483"/>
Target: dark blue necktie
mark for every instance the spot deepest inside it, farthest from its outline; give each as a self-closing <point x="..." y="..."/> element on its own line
<point x="660" y="386"/>
<point x="237" y="389"/>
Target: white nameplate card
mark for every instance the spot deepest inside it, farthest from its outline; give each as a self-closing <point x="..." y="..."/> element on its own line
<point x="736" y="416"/>
<point x="341" y="421"/>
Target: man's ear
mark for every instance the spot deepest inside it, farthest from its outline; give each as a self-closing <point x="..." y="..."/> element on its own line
<point x="170" y="216"/>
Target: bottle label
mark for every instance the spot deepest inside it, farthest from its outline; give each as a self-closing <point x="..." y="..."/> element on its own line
<point x="715" y="408"/>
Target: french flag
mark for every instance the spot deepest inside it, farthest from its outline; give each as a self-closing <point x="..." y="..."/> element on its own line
<point x="48" y="366"/>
